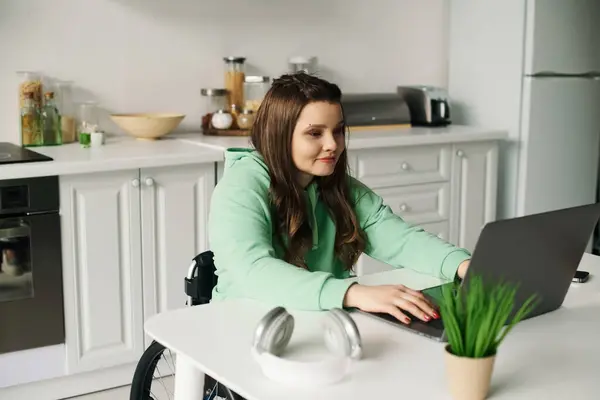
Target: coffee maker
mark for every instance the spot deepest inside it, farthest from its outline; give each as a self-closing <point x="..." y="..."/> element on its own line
<point x="428" y="105"/>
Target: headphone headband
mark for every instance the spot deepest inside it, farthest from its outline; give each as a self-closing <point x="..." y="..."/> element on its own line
<point x="273" y="334"/>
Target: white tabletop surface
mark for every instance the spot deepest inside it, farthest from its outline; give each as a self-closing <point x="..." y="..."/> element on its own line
<point x="553" y="356"/>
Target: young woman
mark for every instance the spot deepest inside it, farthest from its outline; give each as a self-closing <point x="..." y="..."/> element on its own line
<point x="288" y="223"/>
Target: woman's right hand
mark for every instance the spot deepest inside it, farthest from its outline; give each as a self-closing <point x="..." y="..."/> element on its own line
<point x="391" y="299"/>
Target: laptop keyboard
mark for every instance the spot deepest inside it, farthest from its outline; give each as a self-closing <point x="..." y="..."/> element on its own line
<point x="434" y="323"/>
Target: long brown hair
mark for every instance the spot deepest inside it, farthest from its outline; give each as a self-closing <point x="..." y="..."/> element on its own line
<point x="271" y="135"/>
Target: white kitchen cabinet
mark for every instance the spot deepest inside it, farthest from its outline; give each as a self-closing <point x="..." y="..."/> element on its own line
<point x="174" y="204"/>
<point x="129" y="237"/>
<point x="449" y="190"/>
<point x="474" y="190"/>
<point x="102" y="269"/>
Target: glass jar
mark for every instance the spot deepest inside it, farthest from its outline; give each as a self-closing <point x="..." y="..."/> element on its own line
<point x="221" y="119"/>
<point x="245" y="119"/>
<point x="88" y="122"/>
<point x="30" y="82"/>
<point x="298" y="64"/>
<point x="234" y="79"/>
<point x="66" y="108"/>
<point x="215" y="99"/>
<point x="255" y="89"/>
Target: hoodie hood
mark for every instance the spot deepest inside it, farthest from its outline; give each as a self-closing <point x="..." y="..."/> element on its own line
<point x="250" y="158"/>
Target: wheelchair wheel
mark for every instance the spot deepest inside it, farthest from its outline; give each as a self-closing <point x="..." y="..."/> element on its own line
<point x="144" y="375"/>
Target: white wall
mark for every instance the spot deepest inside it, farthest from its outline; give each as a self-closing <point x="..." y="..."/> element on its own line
<point x="155" y="55"/>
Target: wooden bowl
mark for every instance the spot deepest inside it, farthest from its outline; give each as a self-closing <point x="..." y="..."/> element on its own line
<point x="148" y="126"/>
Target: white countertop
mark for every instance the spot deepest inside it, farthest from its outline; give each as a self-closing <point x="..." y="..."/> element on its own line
<point x="552" y="356"/>
<point x="118" y="153"/>
<point x="124" y="152"/>
<point x="368" y="139"/>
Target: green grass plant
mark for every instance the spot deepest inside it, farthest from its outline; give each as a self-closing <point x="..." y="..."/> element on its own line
<point x="476" y="317"/>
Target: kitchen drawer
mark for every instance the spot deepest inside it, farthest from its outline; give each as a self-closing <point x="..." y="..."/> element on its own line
<point x="419" y="203"/>
<point x="403" y="165"/>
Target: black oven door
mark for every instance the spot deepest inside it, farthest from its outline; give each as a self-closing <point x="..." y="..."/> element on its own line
<point x="31" y="287"/>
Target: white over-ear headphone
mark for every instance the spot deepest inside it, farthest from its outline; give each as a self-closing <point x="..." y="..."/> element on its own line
<point x="274" y="332"/>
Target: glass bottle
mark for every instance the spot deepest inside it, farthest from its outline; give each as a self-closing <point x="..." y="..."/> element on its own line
<point x="50" y="121"/>
<point x="234" y="80"/>
<point x="88" y="122"/>
<point x="30" y="122"/>
<point x="66" y="109"/>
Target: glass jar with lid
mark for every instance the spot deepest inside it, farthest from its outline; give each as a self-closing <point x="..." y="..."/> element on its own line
<point x="245" y="119"/>
<point x="234" y="79"/>
<point x="255" y="89"/>
<point x="215" y="99"/>
<point x="299" y="64"/>
<point x="30" y="82"/>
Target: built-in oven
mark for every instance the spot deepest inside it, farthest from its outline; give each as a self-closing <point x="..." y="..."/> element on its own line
<point x="31" y="287"/>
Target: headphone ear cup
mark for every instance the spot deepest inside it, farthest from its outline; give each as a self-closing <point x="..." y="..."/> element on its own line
<point x="341" y="334"/>
<point x="274" y="331"/>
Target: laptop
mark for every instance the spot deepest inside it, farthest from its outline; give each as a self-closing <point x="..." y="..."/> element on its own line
<point x="540" y="252"/>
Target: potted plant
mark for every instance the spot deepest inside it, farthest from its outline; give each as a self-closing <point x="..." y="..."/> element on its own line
<point x="476" y="319"/>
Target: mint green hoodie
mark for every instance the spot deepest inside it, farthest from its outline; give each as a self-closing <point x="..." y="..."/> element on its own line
<point x="249" y="265"/>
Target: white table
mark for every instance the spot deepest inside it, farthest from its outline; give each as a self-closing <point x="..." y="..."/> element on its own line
<point x="554" y="356"/>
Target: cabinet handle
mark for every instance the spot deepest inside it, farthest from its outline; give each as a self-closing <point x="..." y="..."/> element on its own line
<point x="135" y="182"/>
<point x="460" y="153"/>
<point x="149" y="181"/>
<point x="403" y="207"/>
<point x="405" y="166"/>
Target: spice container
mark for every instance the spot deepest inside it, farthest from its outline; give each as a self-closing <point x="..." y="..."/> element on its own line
<point x="97" y="139"/>
<point x="245" y="119"/>
<point x="31" y="133"/>
<point x="30" y="82"/>
<point x="255" y="89"/>
<point x="221" y="119"/>
<point x="216" y="99"/>
<point x="66" y="108"/>
<point x="234" y="79"/>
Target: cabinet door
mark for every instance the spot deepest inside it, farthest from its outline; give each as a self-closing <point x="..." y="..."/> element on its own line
<point x="175" y="203"/>
<point x="474" y="187"/>
<point x="100" y="217"/>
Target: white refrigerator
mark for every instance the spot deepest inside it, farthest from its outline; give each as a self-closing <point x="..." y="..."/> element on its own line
<point x="533" y="68"/>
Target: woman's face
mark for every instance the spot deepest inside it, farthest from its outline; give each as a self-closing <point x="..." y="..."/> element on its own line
<point x="318" y="140"/>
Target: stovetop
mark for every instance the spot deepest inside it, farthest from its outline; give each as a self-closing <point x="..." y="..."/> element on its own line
<point x="12" y="154"/>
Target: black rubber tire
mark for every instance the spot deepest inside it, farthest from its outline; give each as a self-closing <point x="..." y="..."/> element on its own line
<point x="144" y="372"/>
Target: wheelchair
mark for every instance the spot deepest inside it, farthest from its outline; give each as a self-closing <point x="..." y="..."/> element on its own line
<point x="199" y="284"/>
